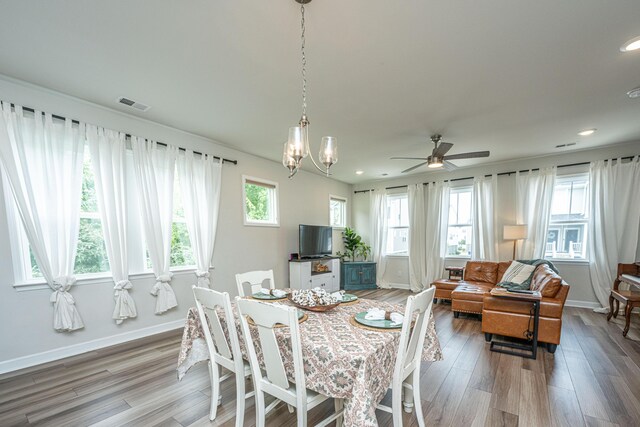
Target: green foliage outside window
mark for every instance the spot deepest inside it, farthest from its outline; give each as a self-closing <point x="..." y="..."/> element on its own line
<point x="257" y="202"/>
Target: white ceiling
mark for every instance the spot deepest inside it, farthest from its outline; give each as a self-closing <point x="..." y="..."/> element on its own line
<point x="513" y="77"/>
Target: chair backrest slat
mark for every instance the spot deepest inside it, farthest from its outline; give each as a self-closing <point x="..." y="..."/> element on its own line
<point x="255" y="280"/>
<point x="265" y="316"/>
<point x="412" y="338"/>
<point x="206" y="302"/>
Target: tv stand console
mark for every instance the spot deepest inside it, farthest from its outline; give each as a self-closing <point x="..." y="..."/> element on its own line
<point x="312" y="273"/>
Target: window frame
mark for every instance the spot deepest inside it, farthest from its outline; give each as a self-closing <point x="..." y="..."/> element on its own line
<point x="402" y="254"/>
<point x="273" y="206"/>
<point x="582" y="225"/>
<point x="344" y="202"/>
<point x="456" y="191"/>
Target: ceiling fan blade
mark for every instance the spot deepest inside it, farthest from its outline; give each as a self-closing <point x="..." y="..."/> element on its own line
<point x="467" y="155"/>
<point x="442" y="149"/>
<point x="448" y="166"/>
<point x="414" y="167"/>
<point x="410" y="158"/>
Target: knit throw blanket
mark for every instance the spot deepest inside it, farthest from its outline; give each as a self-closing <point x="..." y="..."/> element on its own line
<point x="526" y="285"/>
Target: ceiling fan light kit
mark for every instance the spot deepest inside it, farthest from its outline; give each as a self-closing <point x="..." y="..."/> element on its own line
<point x="438" y="157"/>
<point x="297" y="146"/>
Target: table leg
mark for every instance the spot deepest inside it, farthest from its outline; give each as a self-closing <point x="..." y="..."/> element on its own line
<point x="627" y="315"/>
<point x="407" y="401"/>
<point x="610" y="308"/>
<point x="536" y="319"/>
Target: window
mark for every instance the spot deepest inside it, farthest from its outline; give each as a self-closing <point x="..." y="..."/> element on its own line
<point x="567" y="234"/>
<point x="459" y="228"/>
<point x="91" y="255"/>
<point x="181" y="252"/>
<point x="260" y="202"/>
<point x="337" y="212"/>
<point x="397" y="224"/>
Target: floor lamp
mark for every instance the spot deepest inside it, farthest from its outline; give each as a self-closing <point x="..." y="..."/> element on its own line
<point x="515" y="233"/>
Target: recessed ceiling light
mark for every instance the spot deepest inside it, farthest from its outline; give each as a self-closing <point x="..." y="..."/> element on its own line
<point x="634" y="93"/>
<point x="359" y="172"/>
<point x="633" y="44"/>
<point x="587" y="132"/>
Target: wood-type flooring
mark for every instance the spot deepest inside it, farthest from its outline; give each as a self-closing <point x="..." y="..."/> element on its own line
<point x="593" y="379"/>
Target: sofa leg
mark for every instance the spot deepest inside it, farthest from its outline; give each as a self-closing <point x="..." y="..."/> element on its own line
<point x="488" y="336"/>
<point x="435" y="300"/>
<point x="551" y="348"/>
<point x="456" y="314"/>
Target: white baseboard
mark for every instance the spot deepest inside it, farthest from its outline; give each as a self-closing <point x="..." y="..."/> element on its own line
<point x="72" y="350"/>
<point x="581" y="304"/>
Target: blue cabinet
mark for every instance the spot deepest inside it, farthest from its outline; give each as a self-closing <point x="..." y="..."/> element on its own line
<point x="358" y="275"/>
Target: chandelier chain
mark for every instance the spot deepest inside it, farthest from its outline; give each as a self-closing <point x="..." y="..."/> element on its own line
<point x="304" y="64"/>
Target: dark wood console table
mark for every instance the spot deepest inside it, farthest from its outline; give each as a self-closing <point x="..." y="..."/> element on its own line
<point x="532" y="335"/>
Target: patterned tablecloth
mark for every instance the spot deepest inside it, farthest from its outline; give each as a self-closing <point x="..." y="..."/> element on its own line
<point x="340" y="359"/>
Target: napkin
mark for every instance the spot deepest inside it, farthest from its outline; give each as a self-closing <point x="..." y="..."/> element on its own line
<point x="379" y="314"/>
<point x="337" y="295"/>
<point x="278" y="293"/>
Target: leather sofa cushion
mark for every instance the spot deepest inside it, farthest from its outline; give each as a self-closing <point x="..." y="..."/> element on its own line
<point x="470" y="292"/>
<point x="546" y="281"/>
<point x="446" y="284"/>
<point x="479" y="271"/>
<point x="502" y="267"/>
<point x="486" y="285"/>
<point x="549" y="307"/>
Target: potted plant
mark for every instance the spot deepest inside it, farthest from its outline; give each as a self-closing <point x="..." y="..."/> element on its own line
<point x="354" y="246"/>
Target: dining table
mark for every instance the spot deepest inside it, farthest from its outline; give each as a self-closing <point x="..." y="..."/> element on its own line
<point x="342" y="359"/>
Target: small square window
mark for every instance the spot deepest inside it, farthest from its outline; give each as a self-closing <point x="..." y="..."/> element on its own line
<point x="337" y="212"/>
<point x="260" y="202"/>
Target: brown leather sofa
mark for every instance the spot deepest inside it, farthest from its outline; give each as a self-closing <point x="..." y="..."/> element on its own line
<point x="501" y="316"/>
<point x="505" y="317"/>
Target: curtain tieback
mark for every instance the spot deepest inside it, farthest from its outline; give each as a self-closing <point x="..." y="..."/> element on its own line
<point x="203" y="278"/>
<point x="61" y="286"/>
<point x="162" y="282"/>
<point x="122" y="285"/>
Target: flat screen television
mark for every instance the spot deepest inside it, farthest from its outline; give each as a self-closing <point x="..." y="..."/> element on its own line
<point x="314" y="240"/>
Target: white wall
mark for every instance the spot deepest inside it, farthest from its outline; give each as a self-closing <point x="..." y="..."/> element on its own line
<point x="575" y="273"/>
<point x="26" y="316"/>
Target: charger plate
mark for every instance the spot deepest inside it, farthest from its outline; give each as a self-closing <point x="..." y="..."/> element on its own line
<point x="347" y="298"/>
<point x="302" y="317"/>
<point x="382" y="324"/>
<point x="266" y="297"/>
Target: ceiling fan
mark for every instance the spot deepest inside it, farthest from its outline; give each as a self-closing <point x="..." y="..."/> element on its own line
<point x="437" y="159"/>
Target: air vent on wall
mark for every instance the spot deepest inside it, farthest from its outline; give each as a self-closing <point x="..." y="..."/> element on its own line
<point x="133" y="104"/>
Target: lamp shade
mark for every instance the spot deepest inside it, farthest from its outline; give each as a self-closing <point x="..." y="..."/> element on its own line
<point x="515" y="232"/>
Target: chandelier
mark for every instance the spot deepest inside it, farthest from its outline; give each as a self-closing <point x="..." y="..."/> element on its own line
<point x="297" y="146"/>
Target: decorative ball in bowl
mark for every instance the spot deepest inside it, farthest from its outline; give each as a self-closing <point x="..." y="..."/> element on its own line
<point x="313" y="299"/>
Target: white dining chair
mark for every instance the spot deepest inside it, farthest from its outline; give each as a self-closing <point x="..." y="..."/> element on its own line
<point x="273" y="380"/>
<point x="221" y="351"/>
<point x="254" y="279"/>
<point x="409" y="355"/>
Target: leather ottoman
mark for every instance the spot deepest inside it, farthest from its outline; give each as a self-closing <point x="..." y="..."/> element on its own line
<point x="444" y="288"/>
<point x="468" y="298"/>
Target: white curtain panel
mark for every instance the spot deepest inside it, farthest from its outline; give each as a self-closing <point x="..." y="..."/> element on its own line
<point x="43" y="164"/>
<point x="155" y="170"/>
<point x="534" y="194"/>
<point x="108" y="150"/>
<point x="417" y="237"/>
<point x="436" y="218"/>
<point x="614" y="219"/>
<point x="201" y="179"/>
<point x="378" y="209"/>
<point x="485" y="220"/>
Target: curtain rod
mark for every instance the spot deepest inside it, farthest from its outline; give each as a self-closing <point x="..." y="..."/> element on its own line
<point x="76" y="122"/>
<point x="499" y="174"/>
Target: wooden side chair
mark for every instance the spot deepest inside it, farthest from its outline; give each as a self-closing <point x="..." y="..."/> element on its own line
<point x="630" y="274"/>
<point x="222" y="352"/>
<point x="255" y="280"/>
<point x="409" y="355"/>
<point x="273" y="380"/>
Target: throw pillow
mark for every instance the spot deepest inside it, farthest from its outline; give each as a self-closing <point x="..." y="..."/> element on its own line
<point x="517" y="272"/>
